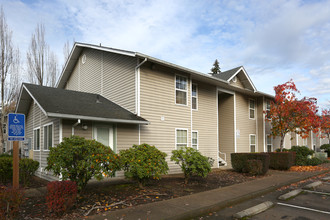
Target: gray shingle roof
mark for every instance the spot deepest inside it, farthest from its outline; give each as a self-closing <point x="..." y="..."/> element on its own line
<point x="57" y="102"/>
<point x="227" y="74"/>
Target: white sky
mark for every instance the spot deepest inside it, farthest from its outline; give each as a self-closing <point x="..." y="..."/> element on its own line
<point x="275" y="40"/>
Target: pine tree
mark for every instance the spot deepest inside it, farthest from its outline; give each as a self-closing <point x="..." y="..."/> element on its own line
<point x="216" y="68"/>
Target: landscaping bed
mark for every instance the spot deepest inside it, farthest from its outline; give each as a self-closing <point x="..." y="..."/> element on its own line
<point x="111" y="195"/>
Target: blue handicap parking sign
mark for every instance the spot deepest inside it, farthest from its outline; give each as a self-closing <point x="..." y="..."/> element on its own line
<point x="16" y="127"/>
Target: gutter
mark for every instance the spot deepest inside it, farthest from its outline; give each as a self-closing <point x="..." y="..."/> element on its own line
<point x="137" y="87"/>
<point x="74" y="125"/>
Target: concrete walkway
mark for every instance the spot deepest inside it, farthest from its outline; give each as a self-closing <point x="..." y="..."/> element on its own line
<point x="201" y="203"/>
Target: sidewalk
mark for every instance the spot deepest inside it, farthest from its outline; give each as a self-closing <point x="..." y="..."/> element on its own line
<point x="201" y="203"/>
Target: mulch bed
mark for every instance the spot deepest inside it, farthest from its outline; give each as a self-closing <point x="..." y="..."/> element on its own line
<point x="107" y="196"/>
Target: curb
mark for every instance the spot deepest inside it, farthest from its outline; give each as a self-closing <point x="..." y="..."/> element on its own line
<point x="217" y="206"/>
<point x="290" y="194"/>
<point x="312" y="185"/>
<point x="254" y="210"/>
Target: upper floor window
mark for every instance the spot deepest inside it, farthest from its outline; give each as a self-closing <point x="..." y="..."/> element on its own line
<point x="181" y="90"/>
<point x="252" y="109"/>
<point x="36" y="139"/>
<point x="48" y="136"/>
<point x="267" y="108"/>
<point x="194" y="140"/>
<point x="181" y="138"/>
<point x="252" y="143"/>
<point x="194" y="96"/>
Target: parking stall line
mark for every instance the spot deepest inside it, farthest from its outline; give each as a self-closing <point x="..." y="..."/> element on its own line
<point x="317" y="192"/>
<point x="305" y="208"/>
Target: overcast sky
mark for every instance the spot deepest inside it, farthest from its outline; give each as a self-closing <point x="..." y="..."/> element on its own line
<point x="275" y="40"/>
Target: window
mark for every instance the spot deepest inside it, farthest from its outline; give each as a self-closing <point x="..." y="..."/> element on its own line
<point x="267" y="108"/>
<point x="194" y="140"/>
<point x="181" y="138"/>
<point x="4" y="127"/>
<point x="252" y="143"/>
<point x="181" y="90"/>
<point x="194" y="96"/>
<point x="251" y="109"/>
<point x="269" y="143"/>
<point x="36" y="139"/>
<point x="48" y="136"/>
<point x="104" y="135"/>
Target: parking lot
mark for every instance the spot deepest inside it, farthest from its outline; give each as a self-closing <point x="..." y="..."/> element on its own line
<point x="312" y="203"/>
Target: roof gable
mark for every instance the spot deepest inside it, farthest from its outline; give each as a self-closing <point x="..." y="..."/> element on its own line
<point x="61" y="103"/>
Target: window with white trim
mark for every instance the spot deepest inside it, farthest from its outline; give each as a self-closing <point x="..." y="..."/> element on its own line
<point x="4" y="127"/>
<point x="267" y="108"/>
<point x="36" y="139"/>
<point x="194" y="96"/>
<point x="269" y="143"/>
<point x="181" y="138"/>
<point x="194" y="139"/>
<point x="252" y="109"/>
<point x="252" y="143"/>
<point x="48" y="136"/>
<point x="181" y="90"/>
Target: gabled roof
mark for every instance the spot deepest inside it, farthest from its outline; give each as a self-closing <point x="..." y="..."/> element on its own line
<point x="241" y="74"/>
<point x="61" y="103"/>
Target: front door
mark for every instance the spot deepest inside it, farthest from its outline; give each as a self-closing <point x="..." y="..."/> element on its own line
<point x="104" y="135"/>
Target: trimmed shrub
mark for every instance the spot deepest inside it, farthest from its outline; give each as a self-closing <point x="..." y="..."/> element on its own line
<point x="6" y="169"/>
<point x="61" y="196"/>
<point x="254" y="167"/>
<point x="239" y="161"/>
<point x="314" y="161"/>
<point x="143" y="162"/>
<point x="192" y="162"/>
<point x="10" y="201"/>
<point x="326" y="148"/>
<point x="27" y="169"/>
<point x="281" y="160"/>
<point x="302" y="154"/>
<point x="79" y="160"/>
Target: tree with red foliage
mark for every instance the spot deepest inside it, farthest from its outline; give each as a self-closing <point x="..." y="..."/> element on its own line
<point x="325" y="123"/>
<point x="288" y="114"/>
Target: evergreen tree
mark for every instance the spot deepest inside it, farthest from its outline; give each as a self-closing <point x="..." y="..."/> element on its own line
<point x="216" y="68"/>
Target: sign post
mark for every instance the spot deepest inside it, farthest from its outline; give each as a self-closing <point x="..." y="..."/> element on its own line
<point x="16" y="132"/>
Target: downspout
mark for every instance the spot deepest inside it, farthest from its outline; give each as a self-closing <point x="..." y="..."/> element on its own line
<point x="74" y="125"/>
<point x="137" y="92"/>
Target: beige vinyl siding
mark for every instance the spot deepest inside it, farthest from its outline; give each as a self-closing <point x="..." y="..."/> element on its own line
<point x="78" y="131"/>
<point x="204" y="120"/>
<point x="157" y="101"/>
<point x="238" y="82"/>
<point x="37" y="119"/>
<point x="108" y="74"/>
<point x="245" y="125"/>
<point x="226" y="125"/>
<point x="127" y="136"/>
<point x="260" y="117"/>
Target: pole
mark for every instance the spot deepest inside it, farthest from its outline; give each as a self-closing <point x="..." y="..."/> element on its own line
<point x="15" y="165"/>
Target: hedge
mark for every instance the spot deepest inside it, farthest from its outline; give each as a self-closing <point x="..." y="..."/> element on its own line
<point x="281" y="160"/>
<point x="239" y="161"/>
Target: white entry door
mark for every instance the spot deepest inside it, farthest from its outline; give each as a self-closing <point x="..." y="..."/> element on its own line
<point x="104" y="135"/>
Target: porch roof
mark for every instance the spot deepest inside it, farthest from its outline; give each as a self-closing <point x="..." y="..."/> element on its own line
<point x="61" y="103"/>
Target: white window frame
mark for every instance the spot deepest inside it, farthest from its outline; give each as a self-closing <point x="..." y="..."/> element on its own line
<point x="267" y="109"/>
<point x="254" y="109"/>
<point x="271" y="142"/>
<point x="47" y="125"/>
<point x="176" y="137"/>
<point x="192" y="145"/>
<point x="111" y="133"/>
<point x="34" y="141"/>
<point x="182" y="90"/>
<point x="196" y="97"/>
<point x="255" y="141"/>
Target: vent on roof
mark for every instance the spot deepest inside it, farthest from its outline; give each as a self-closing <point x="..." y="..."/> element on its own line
<point x="98" y="99"/>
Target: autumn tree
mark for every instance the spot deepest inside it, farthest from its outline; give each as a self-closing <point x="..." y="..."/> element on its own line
<point x="9" y="64"/>
<point x="289" y="114"/>
<point x="325" y="123"/>
<point x="42" y="63"/>
<point x="216" y="68"/>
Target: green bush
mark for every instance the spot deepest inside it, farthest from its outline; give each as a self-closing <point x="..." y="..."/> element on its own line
<point x="326" y="148"/>
<point x="281" y="160"/>
<point x="27" y="169"/>
<point x="254" y="167"/>
<point x="6" y="169"/>
<point x="6" y="155"/>
<point x="302" y="154"/>
<point x="239" y="161"/>
<point x="192" y="162"/>
<point x="79" y="160"/>
<point x="143" y="162"/>
<point x="313" y="161"/>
